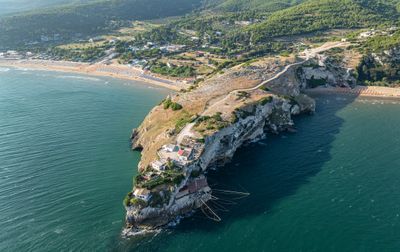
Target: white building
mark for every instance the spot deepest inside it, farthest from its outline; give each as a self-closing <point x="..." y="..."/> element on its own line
<point x="158" y="165"/>
<point x="142" y="193"/>
<point x="171" y="148"/>
<point x="367" y="34"/>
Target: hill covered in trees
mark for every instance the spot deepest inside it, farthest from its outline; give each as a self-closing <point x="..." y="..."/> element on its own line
<point x="318" y="15"/>
<point x="86" y="19"/>
<point x="255" y="5"/>
<point x="13" y="6"/>
<point x="213" y="21"/>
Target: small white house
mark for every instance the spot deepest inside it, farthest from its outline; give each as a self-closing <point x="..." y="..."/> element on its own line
<point x="158" y="165"/>
<point x="171" y="148"/>
<point x="142" y="193"/>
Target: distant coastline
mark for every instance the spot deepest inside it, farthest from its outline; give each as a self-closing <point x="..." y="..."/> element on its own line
<point x="113" y="70"/>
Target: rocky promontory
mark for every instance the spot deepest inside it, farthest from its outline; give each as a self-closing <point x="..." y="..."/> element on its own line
<point x="204" y="126"/>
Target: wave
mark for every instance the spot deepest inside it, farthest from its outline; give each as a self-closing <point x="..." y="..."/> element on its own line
<point x="78" y="77"/>
<point x="128" y="232"/>
<point x="23" y="69"/>
<point x="59" y="231"/>
<point x="3" y="69"/>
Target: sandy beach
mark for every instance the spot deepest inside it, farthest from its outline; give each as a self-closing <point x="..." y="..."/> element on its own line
<point x="115" y="71"/>
<point x="363" y="91"/>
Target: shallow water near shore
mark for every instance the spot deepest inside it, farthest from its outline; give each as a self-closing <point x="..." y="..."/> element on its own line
<point x="65" y="166"/>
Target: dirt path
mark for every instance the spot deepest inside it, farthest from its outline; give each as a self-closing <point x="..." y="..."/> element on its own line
<point x="306" y="55"/>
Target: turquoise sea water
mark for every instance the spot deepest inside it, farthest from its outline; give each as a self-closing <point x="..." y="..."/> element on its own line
<point x="65" y="163"/>
<point x="65" y="166"/>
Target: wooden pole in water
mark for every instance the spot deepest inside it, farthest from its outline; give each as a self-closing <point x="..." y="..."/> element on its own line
<point x="216" y="217"/>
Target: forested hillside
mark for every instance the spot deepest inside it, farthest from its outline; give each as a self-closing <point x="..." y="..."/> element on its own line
<point x="12" y="6"/>
<point x="317" y="15"/>
<point x="86" y="19"/>
<point x="215" y="20"/>
<point x="258" y="5"/>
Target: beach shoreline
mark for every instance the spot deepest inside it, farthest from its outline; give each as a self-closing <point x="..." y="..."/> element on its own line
<point x="113" y="70"/>
<point x="359" y="91"/>
<point x="136" y="74"/>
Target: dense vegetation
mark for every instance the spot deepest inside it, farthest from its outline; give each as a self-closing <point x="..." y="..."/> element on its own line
<point x="88" y="54"/>
<point x="378" y="44"/>
<point x="13" y="6"/>
<point x="224" y="33"/>
<point x="317" y="15"/>
<point x="386" y="70"/>
<point x="263" y="5"/>
<point x="167" y="103"/>
<point x="371" y="72"/>
<point x="172" y="70"/>
<point x="86" y="19"/>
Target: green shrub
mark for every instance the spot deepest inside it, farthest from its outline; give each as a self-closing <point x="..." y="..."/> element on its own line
<point x="285" y="54"/>
<point x="266" y="100"/>
<point x="175" y="106"/>
<point x="243" y="95"/>
<point x="138" y="202"/>
<point x="170" y="164"/>
<point x="153" y="183"/>
<point x="181" y="122"/>
<point x="169" y="177"/>
<point x="126" y="201"/>
<point x="234" y="118"/>
<point x="200" y="140"/>
<point x="167" y="103"/>
<point x="138" y="179"/>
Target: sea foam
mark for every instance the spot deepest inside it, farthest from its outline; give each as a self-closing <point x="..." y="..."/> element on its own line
<point x="78" y="77"/>
<point x="3" y="69"/>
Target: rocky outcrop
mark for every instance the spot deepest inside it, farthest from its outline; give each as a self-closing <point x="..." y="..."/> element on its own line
<point x="219" y="148"/>
<point x="242" y="115"/>
<point x="325" y="71"/>
<point x="389" y="56"/>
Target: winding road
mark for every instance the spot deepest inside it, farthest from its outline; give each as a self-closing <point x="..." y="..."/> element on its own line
<point x="307" y="54"/>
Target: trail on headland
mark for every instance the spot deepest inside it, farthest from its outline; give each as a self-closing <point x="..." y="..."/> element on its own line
<point x="305" y="56"/>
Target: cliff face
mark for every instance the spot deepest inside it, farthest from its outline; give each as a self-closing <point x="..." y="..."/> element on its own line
<point x="219" y="148"/>
<point x="273" y="117"/>
<point x="325" y="70"/>
<point x="390" y="56"/>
